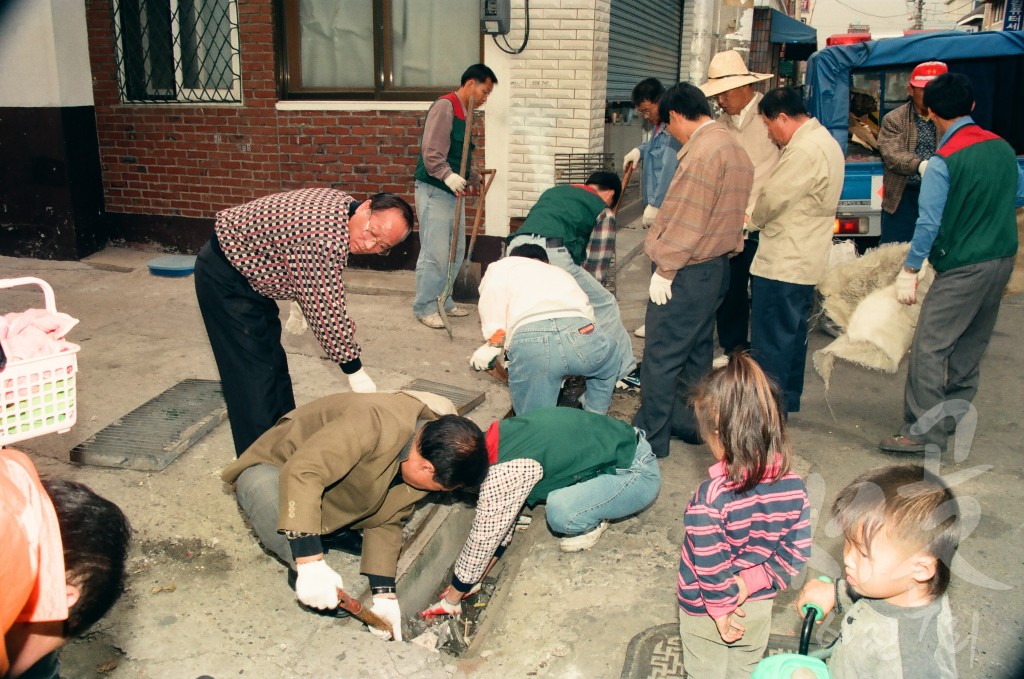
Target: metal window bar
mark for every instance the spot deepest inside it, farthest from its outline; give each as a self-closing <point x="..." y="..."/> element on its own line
<point x="574" y="168"/>
<point x="174" y="51"/>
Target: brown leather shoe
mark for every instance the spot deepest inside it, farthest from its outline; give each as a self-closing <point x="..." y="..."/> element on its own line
<point x="902" y="444"/>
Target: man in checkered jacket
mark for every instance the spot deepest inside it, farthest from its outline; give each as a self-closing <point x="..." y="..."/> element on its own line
<point x="295" y="246"/>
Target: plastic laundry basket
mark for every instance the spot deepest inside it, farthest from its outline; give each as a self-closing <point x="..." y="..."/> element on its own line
<point x="38" y="395"/>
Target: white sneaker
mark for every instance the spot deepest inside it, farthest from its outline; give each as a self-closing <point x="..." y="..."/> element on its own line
<point x="578" y="543"/>
<point x="457" y="312"/>
<point x="641" y="331"/>
<point x="720" y="361"/>
<point x="433" y="321"/>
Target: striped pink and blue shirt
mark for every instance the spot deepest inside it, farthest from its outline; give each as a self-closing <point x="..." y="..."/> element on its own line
<point x="763" y="536"/>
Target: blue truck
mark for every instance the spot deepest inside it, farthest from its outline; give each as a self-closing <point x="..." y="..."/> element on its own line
<point x="850" y="88"/>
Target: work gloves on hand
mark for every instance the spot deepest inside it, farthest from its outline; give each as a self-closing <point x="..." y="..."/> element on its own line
<point x="317" y="584"/>
<point x="631" y="157"/>
<point x="484" y="357"/>
<point x="456" y="183"/>
<point x="650" y="212"/>
<point x="906" y="287"/>
<point x="361" y="383"/>
<point x="921" y="167"/>
<point x="661" y="289"/>
<point x="389" y="610"/>
<point x="442" y="607"/>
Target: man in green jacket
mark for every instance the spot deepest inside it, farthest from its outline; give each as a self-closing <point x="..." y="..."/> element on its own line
<point x="588" y="468"/>
<point x="352" y="462"/>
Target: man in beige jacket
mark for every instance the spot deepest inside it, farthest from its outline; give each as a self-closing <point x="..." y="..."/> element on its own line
<point x="731" y="84"/>
<point x="352" y="462"/>
<point x="795" y="214"/>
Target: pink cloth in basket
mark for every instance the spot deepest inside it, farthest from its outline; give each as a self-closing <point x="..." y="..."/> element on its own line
<point x="35" y="332"/>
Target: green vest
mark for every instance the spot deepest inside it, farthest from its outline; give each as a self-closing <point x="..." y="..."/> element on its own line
<point x="454" y="157"/>
<point x="571" y="445"/>
<point x="567" y="211"/>
<point x="979" y="222"/>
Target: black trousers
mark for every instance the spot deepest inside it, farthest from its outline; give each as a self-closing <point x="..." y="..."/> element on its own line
<point x="733" y="316"/>
<point x="778" y="334"/>
<point x="245" y="333"/>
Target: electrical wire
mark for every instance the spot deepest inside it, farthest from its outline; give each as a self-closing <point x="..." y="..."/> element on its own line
<point x="508" y="49"/>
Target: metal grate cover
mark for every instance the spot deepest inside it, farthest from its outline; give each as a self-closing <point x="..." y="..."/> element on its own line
<point x="463" y="399"/>
<point x="153" y="435"/>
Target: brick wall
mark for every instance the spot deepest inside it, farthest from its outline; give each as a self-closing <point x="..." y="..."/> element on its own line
<point x="558" y="99"/>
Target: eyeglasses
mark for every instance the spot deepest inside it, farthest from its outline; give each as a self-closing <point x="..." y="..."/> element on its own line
<point x="647" y="110"/>
<point x="382" y="248"/>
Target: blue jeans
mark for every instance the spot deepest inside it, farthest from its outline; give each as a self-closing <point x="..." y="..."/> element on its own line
<point x="435" y="208"/>
<point x="541" y="353"/>
<point x="606" y="309"/>
<point x="580" y="508"/>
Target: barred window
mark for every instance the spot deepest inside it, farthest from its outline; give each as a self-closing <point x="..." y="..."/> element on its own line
<point x="377" y="49"/>
<point x="173" y="51"/>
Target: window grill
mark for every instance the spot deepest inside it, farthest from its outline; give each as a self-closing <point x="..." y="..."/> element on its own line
<point x="574" y="168"/>
<point x="175" y="51"/>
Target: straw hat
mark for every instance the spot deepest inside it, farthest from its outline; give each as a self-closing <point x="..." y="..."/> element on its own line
<point x="728" y="71"/>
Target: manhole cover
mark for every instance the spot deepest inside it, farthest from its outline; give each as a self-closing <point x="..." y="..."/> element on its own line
<point x="153" y="435"/>
<point x="658" y="652"/>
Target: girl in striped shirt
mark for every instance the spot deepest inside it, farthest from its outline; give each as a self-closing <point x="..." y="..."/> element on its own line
<point x="747" y="528"/>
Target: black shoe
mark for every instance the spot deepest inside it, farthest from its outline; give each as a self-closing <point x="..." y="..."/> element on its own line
<point x="338" y="612"/>
<point x="344" y="540"/>
<point x="630" y="381"/>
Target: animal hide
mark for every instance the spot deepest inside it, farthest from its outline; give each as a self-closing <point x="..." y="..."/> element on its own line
<point x="844" y="286"/>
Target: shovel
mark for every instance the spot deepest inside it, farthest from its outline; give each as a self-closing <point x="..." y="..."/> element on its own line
<point x="467" y="283"/>
<point x="359" y="612"/>
<point x="454" y="244"/>
<point x="625" y="183"/>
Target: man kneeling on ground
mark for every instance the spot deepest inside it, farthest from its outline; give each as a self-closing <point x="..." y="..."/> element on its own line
<point x="351" y="462"/>
<point x="589" y="468"/>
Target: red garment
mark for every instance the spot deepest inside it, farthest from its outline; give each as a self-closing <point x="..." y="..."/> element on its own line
<point x="32" y="567"/>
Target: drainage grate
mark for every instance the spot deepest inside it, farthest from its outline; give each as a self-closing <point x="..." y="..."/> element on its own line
<point x="153" y="435"/>
<point x="463" y="399"/>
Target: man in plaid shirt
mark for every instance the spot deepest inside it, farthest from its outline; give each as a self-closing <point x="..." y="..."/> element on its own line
<point x="295" y="246"/>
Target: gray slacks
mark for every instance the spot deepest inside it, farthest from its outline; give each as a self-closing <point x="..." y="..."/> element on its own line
<point x="257" y="492"/>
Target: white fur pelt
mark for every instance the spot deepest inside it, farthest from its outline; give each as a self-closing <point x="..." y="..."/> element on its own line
<point x="844" y="286"/>
<point x="879" y="331"/>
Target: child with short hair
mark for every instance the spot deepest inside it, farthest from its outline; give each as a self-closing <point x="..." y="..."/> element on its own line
<point x="901" y="530"/>
<point x="747" y="528"/>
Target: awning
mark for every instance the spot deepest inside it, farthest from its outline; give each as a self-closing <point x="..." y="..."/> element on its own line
<point x="786" y="30"/>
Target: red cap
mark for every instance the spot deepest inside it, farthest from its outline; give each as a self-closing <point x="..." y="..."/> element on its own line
<point x="927" y="72"/>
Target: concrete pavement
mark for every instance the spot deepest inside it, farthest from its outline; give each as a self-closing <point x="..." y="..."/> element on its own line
<point x="203" y="598"/>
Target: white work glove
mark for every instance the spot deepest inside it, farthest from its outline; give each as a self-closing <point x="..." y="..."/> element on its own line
<point x="631" y="157"/>
<point x="361" y="383"/>
<point x="661" y="289"/>
<point x="922" y="166"/>
<point x="296" y="323"/>
<point x="442" y="607"/>
<point x="317" y="584"/>
<point x="484" y="357"/>
<point x="650" y="212"/>
<point x="389" y="610"/>
<point x="455" y="182"/>
<point x="906" y="287"/>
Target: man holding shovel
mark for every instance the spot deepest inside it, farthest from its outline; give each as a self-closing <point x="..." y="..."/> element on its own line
<point x="440" y="176"/>
<point x="346" y="463"/>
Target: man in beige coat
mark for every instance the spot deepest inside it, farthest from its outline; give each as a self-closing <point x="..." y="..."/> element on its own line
<point x="731" y="84"/>
<point x="795" y="214"/>
<point x="352" y="462"/>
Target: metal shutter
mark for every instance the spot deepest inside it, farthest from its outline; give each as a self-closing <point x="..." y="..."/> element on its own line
<point x="643" y="42"/>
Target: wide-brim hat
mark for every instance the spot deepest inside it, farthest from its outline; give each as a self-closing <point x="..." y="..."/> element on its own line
<point x="728" y="71"/>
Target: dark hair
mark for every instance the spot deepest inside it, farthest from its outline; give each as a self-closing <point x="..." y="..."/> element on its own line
<point x="786" y="100"/>
<point x="455" y="446"/>
<point x="685" y="99"/>
<point x="911" y="505"/>
<point x="950" y="96"/>
<point x="648" y="89"/>
<point x="95" y="534"/>
<point x="390" y="201"/>
<point x="605" y="181"/>
<point x="530" y="251"/>
<point x="741" y="407"/>
<point x="479" y="73"/>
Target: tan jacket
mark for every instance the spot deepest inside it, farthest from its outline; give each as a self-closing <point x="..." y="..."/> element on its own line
<point x="796" y="209"/>
<point x="338" y="456"/>
<point x="753" y="137"/>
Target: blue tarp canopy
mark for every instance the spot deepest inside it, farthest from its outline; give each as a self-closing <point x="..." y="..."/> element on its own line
<point x="786" y="30"/>
<point x="828" y="70"/>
